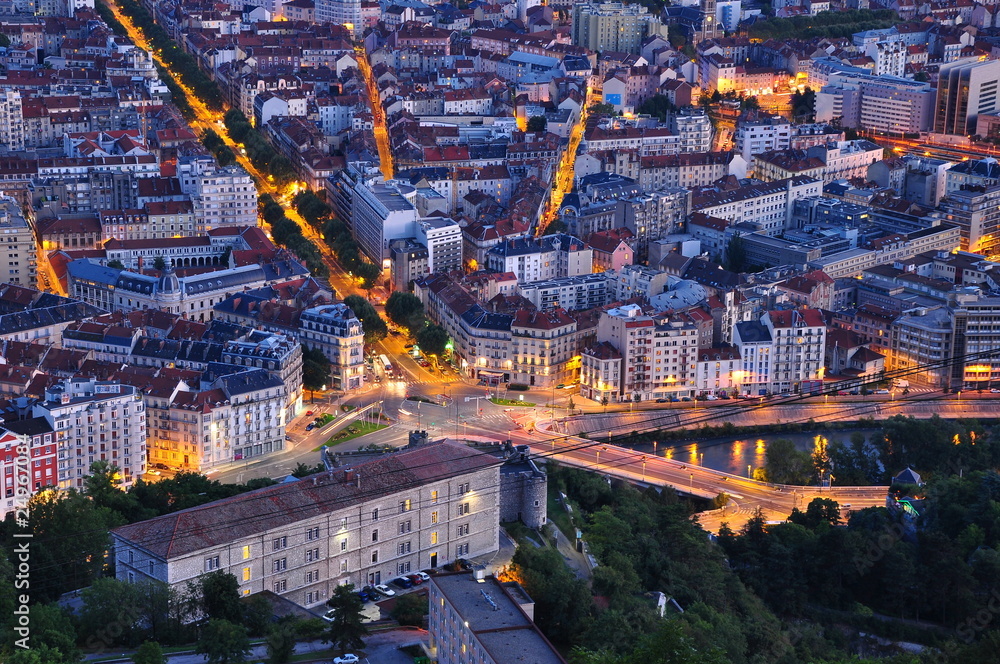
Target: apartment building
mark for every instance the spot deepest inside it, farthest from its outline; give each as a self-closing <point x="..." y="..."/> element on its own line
<point x="693" y="169"/>
<point x="976" y="212"/>
<point x="340" y="12"/>
<point x="884" y="103"/>
<point x="584" y="291"/>
<point x="767" y="205"/>
<point x="365" y="523"/>
<point x="656" y="357"/>
<point x="612" y="26"/>
<point x="17" y="241"/>
<point x="337" y="332"/>
<point x="32" y="440"/>
<point x="548" y="257"/>
<point x="845" y="160"/>
<point x="756" y="134"/>
<point x="443" y="239"/>
<point x="92" y="421"/>
<point x="11" y="120"/>
<point x="798" y="346"/>
<point x="221" y="195"/>
<point x="484" y="622"/>
<point x="544" y="348"/>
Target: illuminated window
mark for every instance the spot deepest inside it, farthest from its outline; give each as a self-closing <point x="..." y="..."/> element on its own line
<point x="434" y="537"/>
<point x="246" y="573"/>
<point x="246" y="552"/>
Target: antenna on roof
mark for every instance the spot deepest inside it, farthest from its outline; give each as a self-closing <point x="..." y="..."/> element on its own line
<point x="489" y="600"/>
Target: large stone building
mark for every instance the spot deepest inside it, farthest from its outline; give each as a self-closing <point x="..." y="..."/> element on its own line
<point x="613" y="26"/>
<point x="337" y="332"/>
<point x="18" y="242"/>
<point x="364" y="523"/>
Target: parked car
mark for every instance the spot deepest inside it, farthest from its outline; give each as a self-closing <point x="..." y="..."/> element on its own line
<point x="424" y="576"/>
<point x="310" y="426"/>
<point x="309" y="413"/>
<point x="882" y="391"/>
<point x="363" y="596"/>
<point x="711" y="397"/>
<point x="402" y="582"/>
<point x="408" y="346"/>
<point x="685" y="398"/>
<point x="385" y="590"/>
<point x="561" y="386"/>
<point x="662" y="400"/>
<point x="328" y="616"/>
<point x="995" y="391"/>
<point x="416" y="579"/>
<point x="346" y="659"/>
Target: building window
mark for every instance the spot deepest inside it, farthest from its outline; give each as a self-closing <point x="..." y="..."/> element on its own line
<point x="375" y="514"/>
<point x="343" y="566"/>
<point x="312" y="534"/>
<point x="280" y="586"/>
<point x="279" y="543"/>
<point x="434" y="517"/>
<point x="312" y="554"/>
<point x="211" y="563"/>
<point x="343" y="523"/>
<point x="404" y="547"/>
<point x="404" y="527"/>
<point x="404" y="505"/>
<point x="375" y="535"/>
<point x="463" y="529"/>
<point x="374" y="556"/>
<point x="434" y="496"/>
<point x="246" y="573"/>
<point x="464" y="509"/>
<point x="462" y="550"/>
<point x="343" y="545"/>
<point x="463" y="488"/>
<point x="246" y="552"/>
<point x="279" y="565"/>
<point x="403" y="568"/>
<point x="434" y="537"/>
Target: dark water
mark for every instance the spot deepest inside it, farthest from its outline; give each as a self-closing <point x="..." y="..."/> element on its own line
<point x="733" y="455"/>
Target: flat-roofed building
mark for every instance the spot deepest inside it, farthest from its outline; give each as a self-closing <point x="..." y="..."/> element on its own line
<point x="488" y="622"/>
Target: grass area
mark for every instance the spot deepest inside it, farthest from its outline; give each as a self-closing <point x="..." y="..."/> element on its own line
<point x="325" y="419"/>
<point x="422" y="400"/>
<point x="511" y="402"/>
<point x="558" y="515"/>
<point x="348" y="407"/>
<point x="355" y="430"/>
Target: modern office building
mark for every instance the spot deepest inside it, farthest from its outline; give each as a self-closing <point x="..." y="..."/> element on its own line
<point x="11" y="120"/>
<point x="363" y="523"/>
<point x="965" y="90"/>
<point x="221" y="195"/>
<point x="976" y="211"/>
<point x="443" y="239"/>
<point x="382" y="212"/>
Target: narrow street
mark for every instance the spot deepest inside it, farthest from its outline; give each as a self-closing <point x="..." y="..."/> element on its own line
<point x="378" y="114"/>
<point x="563" y="182"/>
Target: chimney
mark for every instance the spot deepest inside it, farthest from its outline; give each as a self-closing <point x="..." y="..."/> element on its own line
<point x="358" y="481"/>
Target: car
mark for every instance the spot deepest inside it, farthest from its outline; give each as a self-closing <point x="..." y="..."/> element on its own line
<point x="711" y="397"/>
<point x="662" y="400"/>
<point x="424" y="576"/>
<point x="415" y="578"/>
<point x="846" y="506"/>
<point x="724" y="397"/>
<point x="561" y="386"/>
<point x="464" y="564"/>
<point x="385" y="590"/>
<point x="995" y="391"/>
<point x="685" y="398"/>
<point x="346" y="659"/>
<point x="309" y="413"/>
<point x="883" y="391"/>
<point x="785" y="394"/>
<point x="310" y="426"/>
<point x="328" y="616"/>
<point x="395" y="333"/>
<point x="408" y="346"/>
<point x="363" y="596"/>
<point x="402" y="582"/>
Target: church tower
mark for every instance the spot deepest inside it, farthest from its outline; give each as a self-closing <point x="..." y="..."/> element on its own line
<point x="709" y="24"/>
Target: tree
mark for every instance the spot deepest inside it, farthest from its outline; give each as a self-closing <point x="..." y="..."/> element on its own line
<point x="223" y="642"/>
<point x="218" y="595"/>
<point x="604" y="402"/>
<point x="602" y="109"/>
<point x="749" y="104"/>
<point x="736" y="254"/>
<point x="433" y="340"/>
<point x="375" y="328"/>
<point x="410" y="609"/>
<point x="659" y="106"/>
<point x="571" y="405"/>
<point x="921" y="77"/>
<point x="368" y="273"/>
<point x="70" y="534"/>
<point x="280" y="641"/>
<point x="346" y="629"/>
<point x="110" y="602"/>
<point x="149" y="652"/>
<point x="405" y="310"/>
<point x="787" y="465"/>
<point x="537" y="123"/>
<point x="804" y="105"/>
<point x="315" y="369"/>
<point x="257" y="614"/>
<point x="159" y="263"/>
<point x="116" y="264"/>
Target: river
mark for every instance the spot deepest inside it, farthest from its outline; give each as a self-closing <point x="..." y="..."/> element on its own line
<point x="734" y="455"/>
